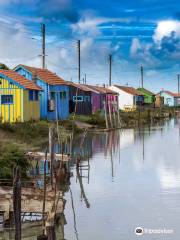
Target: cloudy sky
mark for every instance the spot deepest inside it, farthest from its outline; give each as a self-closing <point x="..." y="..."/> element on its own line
<point x="135" y="32"/>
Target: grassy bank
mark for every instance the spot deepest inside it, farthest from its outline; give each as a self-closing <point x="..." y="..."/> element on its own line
<point x="133" y="119"/>
<point x="146" y="116"/>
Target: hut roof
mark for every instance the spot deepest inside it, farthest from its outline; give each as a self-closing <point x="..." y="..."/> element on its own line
<point x="45" y="75"/>
<point x="22" y="81"/>
<point x="102" y="90"/>
<point x="146" y="91"/>
<point x="172" y="94"/>
<point x="130" y="90"/>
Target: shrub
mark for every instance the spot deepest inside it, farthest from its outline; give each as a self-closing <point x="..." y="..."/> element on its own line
<point x="11" y="156"/>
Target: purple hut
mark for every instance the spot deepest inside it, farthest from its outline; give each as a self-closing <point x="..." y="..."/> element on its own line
<point x="99" y="95"/>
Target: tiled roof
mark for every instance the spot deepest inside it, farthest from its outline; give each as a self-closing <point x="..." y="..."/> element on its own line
<point x="90" y="88"/>
<point x="45" y="75"/>
<point x="146" y="91"/>
<point x="79" y="86"/>
<point x="103" y="90"/>
<point x="130" y="90"/>
<point x="172" y="94"/>
<point x="22" y="81"/>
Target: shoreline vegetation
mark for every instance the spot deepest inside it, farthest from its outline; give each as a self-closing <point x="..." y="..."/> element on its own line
<point x="18" y="138"/>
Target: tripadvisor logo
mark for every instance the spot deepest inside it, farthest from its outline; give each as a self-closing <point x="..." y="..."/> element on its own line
<point x="139" y="231"/>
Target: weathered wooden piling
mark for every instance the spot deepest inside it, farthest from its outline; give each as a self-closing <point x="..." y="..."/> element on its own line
<point x="106" y="119"/>
<point x="17" y="202"/>
<point x="44" y="195"/>
<point x="110" y="114"/>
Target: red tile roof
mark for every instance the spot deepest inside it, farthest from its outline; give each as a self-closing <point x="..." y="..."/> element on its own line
<point x="22" y="81"/>
<point x="45" y="75"/>
<point x="79" y="86"/>
<point x="103" y="90"/>
<point x="172" y="94"/>
<point x="130" y="90"/>
<point x="90" y="88"/>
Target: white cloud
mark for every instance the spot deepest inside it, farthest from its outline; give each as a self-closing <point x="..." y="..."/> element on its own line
<point x="135" y="46"/>
<point x="165" y="28"/>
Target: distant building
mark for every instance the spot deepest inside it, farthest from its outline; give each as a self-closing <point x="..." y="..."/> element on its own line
<point x="102" y="95"/>
<point x="54" y="100"/>
<point x="19" y="98"/>
<point x="149" y="97"/>
<point x="170" y="99"/>
<point x="159" y="101"/>
<point x="129" y="97"/>
<point x="79" y="99"/>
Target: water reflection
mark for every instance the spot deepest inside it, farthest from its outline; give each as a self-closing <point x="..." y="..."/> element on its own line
<point x="134" y="180"/>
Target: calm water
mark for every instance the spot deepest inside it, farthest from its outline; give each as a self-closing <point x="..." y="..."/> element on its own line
<point x="133" y="180"/>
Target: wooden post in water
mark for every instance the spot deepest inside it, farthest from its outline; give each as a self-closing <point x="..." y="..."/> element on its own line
<point x="44" y="196"/>
<point x="110" y="116"/>
<point x="114" y="114"/>
<point x="106" y="119"/>
<point x="51" y="151"/>
<point x="43" y="236"/>
<point x="17" y="202"/>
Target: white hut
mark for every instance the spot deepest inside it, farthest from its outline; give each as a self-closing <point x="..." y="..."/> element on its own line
<point x="129" y="97"/>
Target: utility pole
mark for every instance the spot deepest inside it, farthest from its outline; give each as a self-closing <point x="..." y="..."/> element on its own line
<point x="110" y="69"/>
<point x="85" y="78"/>
<point x="43" y="30"/>
<point x="79" y="60"/>
<point x="178" y="83"/>
<point x="142" y="76"/>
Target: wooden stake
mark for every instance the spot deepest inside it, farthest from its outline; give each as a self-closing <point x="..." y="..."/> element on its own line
<point x="44" y="196"/>
<point x="110" y="116"/>
<point x="114" y="114"/>
<point x="106" y="119"/>
<point x="51" y="152"/>
<point x="17" y="202"/>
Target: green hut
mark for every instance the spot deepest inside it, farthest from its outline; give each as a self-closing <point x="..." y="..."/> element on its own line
<point x="149" y="97"/>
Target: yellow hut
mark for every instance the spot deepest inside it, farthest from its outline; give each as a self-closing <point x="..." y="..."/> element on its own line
<point x="19" y="98"/>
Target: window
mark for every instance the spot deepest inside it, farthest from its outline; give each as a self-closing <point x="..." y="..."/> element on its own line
<point x="63" y="95"/>
<point x="78" y="99"/>
<point x="36" y="95"/>
<point x="31" y="95"/>
<point x="87" y="99"/>
<point x="6" y="99"/>
<point x="53" y="95"/>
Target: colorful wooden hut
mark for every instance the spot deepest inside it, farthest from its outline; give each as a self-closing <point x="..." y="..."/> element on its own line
<point x="79" y="99"/>
<point x="159" y="100"/>
<point x="101" y="95"/>
<point x="129" y="97"/>
<point x="54" y="100"/>
<point x="170" y="99"/>
<point x="19" y="98"/>
<point x="149" y="97"/>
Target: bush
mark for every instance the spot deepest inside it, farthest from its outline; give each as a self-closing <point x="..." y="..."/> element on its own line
<point x="11" y="156"/>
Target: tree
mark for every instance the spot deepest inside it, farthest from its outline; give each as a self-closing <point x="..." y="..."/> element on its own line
<point x="3" y="66"/>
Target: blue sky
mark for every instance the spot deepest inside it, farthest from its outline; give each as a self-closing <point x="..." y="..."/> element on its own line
<point x="134" y="32"/>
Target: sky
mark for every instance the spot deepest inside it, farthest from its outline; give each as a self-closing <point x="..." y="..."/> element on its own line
<point x="138" y="32"/>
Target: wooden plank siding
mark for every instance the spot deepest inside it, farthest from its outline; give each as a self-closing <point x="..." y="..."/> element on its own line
<point x="11" y="112"/>
<point x="83" y="107"/>
<point x="31" y="108"/>
<point x="21" y="109"/>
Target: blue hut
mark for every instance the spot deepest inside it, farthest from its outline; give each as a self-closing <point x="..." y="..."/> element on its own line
<point x="54" y="99"/>
<point x="170" y="99"/>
